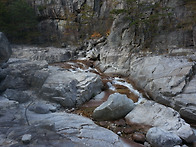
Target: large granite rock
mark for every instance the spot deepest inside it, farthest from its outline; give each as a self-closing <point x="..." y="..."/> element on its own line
<point x="159" y="138"/>
<point x="5" y="49"/>
<point x="156" y="115"/>
<point x="71" y="89"/>
<point x="168" y="75"/>
<point x="116" y="107"/>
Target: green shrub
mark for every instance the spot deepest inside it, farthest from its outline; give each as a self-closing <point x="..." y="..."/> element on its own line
<point x="18" y="20"/>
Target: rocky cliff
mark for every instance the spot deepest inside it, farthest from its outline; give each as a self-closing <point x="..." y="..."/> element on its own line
<point x="154" y="26"/>
<point x="72" y="21"/>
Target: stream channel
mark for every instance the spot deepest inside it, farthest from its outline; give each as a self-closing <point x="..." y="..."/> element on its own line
<point x="132" y="135"/>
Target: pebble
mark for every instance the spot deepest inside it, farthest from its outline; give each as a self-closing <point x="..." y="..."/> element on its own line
<point x="26" y="138"/>
<point x="120" y="123"/>
<point x="119" y="133"/>
<point x="139" y="137"/>
<point x="103" y="123"/>
<point x="128" y="130"/>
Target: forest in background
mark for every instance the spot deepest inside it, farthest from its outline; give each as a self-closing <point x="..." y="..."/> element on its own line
<point x="18" y="21"/>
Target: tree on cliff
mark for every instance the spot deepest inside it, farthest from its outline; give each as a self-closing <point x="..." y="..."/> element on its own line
<point x="17" y="20"/>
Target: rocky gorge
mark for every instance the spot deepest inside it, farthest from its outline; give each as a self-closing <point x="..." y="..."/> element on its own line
<point x="139" y="90"/>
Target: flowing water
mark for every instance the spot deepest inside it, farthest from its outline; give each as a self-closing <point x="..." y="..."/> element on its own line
<point x="112" y="84"/>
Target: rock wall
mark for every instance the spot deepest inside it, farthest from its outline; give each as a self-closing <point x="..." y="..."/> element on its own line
<point x="159" y="31"/>
<point x="71" y="21"/>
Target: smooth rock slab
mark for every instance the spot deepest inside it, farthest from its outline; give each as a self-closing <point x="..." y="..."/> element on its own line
<point x="169" y="80"/>
<point x="117" y="106"/>
<point x="78" y="129"/>
<point x="154" y="114"/>
<point x="161" y="138"/>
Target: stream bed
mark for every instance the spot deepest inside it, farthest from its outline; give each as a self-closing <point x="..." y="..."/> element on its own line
<point x="133" y="135"/>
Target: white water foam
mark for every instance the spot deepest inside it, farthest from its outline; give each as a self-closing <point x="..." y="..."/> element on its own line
<point x="122" y="82"/>
<point x="115" y="80"/>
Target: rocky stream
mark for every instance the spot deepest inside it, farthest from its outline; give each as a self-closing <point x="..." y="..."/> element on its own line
<point x="123" y="74"/>
<point x="53" y="97"/>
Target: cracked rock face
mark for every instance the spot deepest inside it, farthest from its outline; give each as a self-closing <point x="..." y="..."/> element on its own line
<point x="66" y="18"/>
<point x="78" y="129"/>
<point x="169" y="75"/>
